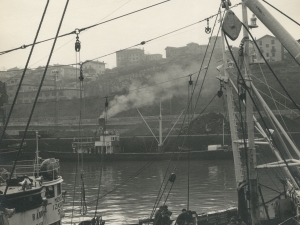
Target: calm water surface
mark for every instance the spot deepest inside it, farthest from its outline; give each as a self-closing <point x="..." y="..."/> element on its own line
<point x="211" y="187"/>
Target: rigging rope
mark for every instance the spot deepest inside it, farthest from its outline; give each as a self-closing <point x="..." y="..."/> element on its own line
<point x="287" y="93"/>
<point x="36" y="97"/>
<point x="74" y="191"/>
<point x="274" y="102"/>
<point x="85" y="28"/>
<point x="100" y="176"/>
<point x="194" y="109"/>
<point x="23" y="74"/>
<point x="247" y="89"/>
<point x="80" y="149"/>
<point x="156" y="203"/>
<point x="281" y="12"/>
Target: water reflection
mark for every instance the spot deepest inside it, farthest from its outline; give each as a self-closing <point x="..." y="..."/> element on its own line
<point x="129" y="190"/>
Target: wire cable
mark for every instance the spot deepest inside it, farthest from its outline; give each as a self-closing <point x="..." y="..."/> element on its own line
<point x="37" y="95"/>
<point x="23" y="74"/>
<point x="281" y="12"/>
<point x="250" y="95"/>
<point x="287" y="93"/>
<point x="85" y="28"/>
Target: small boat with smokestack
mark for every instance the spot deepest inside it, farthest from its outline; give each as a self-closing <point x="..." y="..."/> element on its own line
<point x="106" y="145"/>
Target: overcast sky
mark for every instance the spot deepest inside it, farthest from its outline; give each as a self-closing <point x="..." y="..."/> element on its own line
<point x="19" y="21"/>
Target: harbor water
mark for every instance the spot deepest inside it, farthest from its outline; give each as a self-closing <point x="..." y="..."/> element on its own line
<point x="128" y="190"/>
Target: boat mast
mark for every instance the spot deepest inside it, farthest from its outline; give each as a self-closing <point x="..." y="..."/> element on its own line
<point x="104" y="129"/>
<point x="275" y="27"/>
<point x="160" y="144"/>
<point x="223" y="132"/>
<point x="37" y="153"/>
<point x="251" y="151"/>
<point x="239" y="177"/>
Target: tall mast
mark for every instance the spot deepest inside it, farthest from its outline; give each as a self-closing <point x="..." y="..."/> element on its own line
<point x="160" y="144"/>
<point x="37" y="152"/>
<point x="251" y="151"/>
<point x="231" y="115"/>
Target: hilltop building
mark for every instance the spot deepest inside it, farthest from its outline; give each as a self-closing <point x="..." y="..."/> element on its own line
<point x="153" y="57"/>
<point x="130" y="57"/>
<point x="50" y="91"/>
<point x="93" y="68"/>
<point x="270" y="47"/>
<point x="135" y="56"/>
<point x="194" y="48"/>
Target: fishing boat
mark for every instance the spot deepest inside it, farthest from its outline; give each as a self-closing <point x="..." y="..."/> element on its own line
<point x="31" y="192"/>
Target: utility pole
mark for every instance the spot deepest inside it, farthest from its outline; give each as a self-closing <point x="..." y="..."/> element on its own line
<point x="55" y="75"/>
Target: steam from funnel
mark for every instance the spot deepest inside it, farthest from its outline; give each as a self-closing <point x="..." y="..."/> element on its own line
<point x="159" y="89"/>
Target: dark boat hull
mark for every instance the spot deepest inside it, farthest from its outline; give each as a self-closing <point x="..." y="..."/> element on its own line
<point x="193" y="155"/>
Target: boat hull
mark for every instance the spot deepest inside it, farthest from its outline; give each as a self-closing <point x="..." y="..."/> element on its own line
<point x="192" y="155"/>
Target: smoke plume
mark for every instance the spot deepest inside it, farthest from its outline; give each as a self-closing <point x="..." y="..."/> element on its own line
<point x="159" y="90"/>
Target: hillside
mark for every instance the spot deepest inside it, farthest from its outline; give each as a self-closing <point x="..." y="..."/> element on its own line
<point x="153" y="78"/>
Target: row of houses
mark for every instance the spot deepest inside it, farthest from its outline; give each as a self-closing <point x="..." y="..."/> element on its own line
<point x="62" y="80"/>
<point x="136" y="56"/>
<point x="270" y="47"/>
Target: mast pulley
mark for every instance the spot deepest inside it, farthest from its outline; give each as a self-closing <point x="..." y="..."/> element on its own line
<point x="77" y="43"/>
<point x="207" y="29"/>
<point x="81" y="73"/>
<point x="220" y="92"/>
<point x="224" y="5"/>
<point x="190" y="81"/>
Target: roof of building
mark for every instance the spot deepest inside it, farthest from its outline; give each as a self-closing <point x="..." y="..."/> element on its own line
<point x="267" y="35"/>
<point x="182" y="47"/>
<point x="131" y="49"/>
<point x="96" y="62"/>
<point x="192" y="43"/>
<point x="14" y="68"/>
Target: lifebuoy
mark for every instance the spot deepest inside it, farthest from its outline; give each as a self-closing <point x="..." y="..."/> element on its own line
<point x="3" y="174"/>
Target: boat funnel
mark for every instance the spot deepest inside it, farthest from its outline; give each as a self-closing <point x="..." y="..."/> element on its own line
<point x="101" y="121"/>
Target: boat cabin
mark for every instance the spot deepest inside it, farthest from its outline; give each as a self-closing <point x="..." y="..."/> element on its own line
<point x="109" y="143"/>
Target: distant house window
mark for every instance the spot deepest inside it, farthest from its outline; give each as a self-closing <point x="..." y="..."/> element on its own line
<point x="267" y="54"/>
<point x="272" y="42"/>
<point x="267" y="45"/>
<point x="273" y="54"/>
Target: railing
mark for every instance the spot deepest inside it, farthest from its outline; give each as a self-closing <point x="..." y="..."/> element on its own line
<point x="30" y="168"/>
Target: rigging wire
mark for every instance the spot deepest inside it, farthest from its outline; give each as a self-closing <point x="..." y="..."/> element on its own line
<point x="160" y="192"/>
<point x="98" y="194"/>
<point x="37" y="95"/>
<point x="281" y="12"/>
<point x="79" y="143"/>
<point x="287" y="93"/>
<point x="141" y="43"/>
<point x="241" y="121"/>
<point x="247" y="89"/>
<point x="74" y="191"/>
<point x="86" y="28"/>
<point x="272" y="97"/>
<point x="205" y="74"/>
<point x="143" y="168"/>
<point x="24" y="71"/>
<point x="273" y="89"/>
